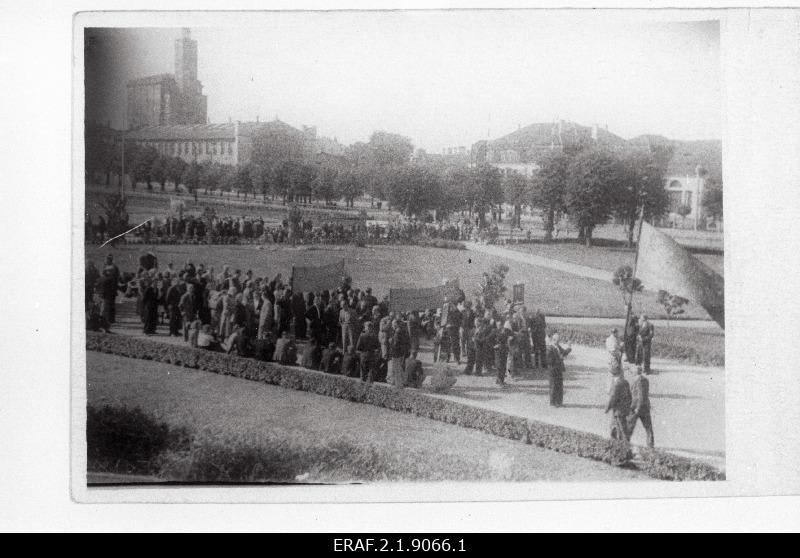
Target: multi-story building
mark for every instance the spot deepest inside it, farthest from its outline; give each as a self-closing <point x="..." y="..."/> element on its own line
<point x="227" y="144"/>
<point x="169" y="99"/>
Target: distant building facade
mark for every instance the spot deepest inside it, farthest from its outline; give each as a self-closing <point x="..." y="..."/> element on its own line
<point x="169" y="99"/>
<point x="226" y="144"/>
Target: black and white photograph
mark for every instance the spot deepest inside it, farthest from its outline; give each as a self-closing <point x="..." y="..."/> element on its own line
<point x="407" y="246"/>
<point x="399" y="276"/>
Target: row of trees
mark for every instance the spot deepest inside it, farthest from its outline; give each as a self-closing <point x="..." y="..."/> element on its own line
<point x="587" y="184"/>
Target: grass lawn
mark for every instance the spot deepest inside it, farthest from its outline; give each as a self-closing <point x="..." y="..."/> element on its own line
<point x="606" y="255"/>
<point x="382" y="267"/>
<point x="401" y="446"/>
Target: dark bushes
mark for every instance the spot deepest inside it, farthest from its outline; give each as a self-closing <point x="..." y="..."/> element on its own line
<point x="127" y="440"/>
<point x="656" y="464"/>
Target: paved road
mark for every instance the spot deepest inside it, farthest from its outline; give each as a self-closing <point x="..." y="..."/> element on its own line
<point x="688" y="401"/>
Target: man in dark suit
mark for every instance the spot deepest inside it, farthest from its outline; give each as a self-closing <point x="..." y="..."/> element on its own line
<point x="619" y="403"/>
<point x="555" y="363"/>
<point x="368" y="348"/>
<point x="316" y="321"/>
<point x="538" y="327"/>
<point x="640" y="406"/>
<point x="646" y="333"/>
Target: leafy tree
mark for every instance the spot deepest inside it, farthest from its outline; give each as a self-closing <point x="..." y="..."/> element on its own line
<point x="324" y="186"/>
<point x="390" y="150"/>
<point x="492" y="286"/>
<point x="683" y="210"/>
<point x="175" y="167"/>
<point x="210" y="177"/>
<point x="227" y="178"/>
<point x="158" y="170"/>
<point x="302" y="181"/>
<point x="517" y="191"/>
<point x="626" y="283"/>
<point x="142" y="163"/>
<point x="593" y="186"/>
<point x="641" y="190"/>
<point x="191" y="177"/>
<point x="485" y="190"/>
<point x="348" y="186"/>
<point x="549" y="190"/>
<point x="673" y="304"/>
<point x="712" y="198"/>
<point x="415" y="189"/>
<point x="244" y="182"/>
<point x="261" y="178"/>
<point x="114" y="208"/>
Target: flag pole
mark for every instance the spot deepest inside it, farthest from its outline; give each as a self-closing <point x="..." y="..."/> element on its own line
<point x="633" y="277"/>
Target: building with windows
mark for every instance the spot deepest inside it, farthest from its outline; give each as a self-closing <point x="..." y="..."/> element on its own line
<point x="226" y="144"/>
<point x="169" y="99"/>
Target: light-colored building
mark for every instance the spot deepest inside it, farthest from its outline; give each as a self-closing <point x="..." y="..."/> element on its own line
<point x="227" y="144"/>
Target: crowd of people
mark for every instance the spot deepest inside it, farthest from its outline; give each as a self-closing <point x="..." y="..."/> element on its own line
<point x="348" y="331"/>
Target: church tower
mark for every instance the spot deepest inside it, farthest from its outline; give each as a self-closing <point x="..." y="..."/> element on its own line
<point x="192" y="102"/>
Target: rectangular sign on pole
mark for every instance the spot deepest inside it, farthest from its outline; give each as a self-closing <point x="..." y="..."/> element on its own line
<point x="518" y="293"/>
<point x="313" y="279"/>
<point x="408" y="300"/>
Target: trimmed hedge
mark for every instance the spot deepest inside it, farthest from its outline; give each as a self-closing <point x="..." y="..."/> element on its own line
<point x="706" y="356"/>
<point x="655" y="463"/>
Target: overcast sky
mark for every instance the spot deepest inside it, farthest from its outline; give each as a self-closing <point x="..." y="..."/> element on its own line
<point x="442" y="78"/>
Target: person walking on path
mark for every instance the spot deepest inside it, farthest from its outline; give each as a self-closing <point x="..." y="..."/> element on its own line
<point x="555" y="363"/>
<point x="619" y="402"/>
<point x="539" y="339"/>
<point x="646" y="333"/>
<point x="640" y="406"/>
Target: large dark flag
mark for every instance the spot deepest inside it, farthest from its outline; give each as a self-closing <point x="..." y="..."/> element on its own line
<point x="314" y="279"/>
<point x="663" y="264"/>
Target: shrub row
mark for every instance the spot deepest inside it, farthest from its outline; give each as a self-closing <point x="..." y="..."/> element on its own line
<point x="660" y="349"/>
<point x="657" y="464"/>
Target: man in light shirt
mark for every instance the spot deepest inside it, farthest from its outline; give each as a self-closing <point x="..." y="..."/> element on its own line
<point x="614" y="349"/>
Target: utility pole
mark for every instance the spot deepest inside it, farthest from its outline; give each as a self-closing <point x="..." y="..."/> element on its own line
<point x="122" y="172"/>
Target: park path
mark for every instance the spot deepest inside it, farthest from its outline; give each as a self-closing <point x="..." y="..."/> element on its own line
<point x="688" y="401"/>
<point x="531" y="259"/>
<point x="581" y="271"/>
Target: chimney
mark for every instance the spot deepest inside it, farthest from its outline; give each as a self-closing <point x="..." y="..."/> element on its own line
<point x="256" y="119"/>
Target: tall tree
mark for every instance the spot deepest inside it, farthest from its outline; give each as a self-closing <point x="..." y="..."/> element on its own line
<point x="517" y="192"/>
<point x="174" y="170"/>
<point x="390" y="150"/>
<point x="324" y="186"/>
<point x="191" y="177"/>
<point x="641" y="190"/>
<point x="485" y="190"/>
<point x="415" y="189"/>
<point x="244" y="182"/>
<point x="593" y="186"/>
<point x="158" y="170"/>
<point x="550" y="190"/>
